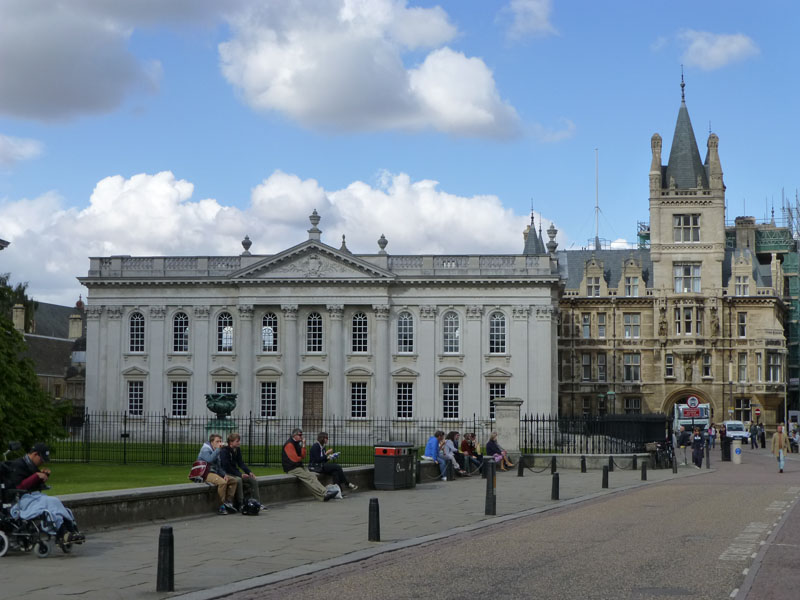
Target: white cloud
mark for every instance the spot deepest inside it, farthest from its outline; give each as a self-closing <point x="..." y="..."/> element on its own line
<point x="156" y="215"/>
<point x="13" y="150"/>
<point x="530" y="18"/>
<point x="340" y="65"/>
<point x="711" y="51"/>
<point x="550" y="135"/>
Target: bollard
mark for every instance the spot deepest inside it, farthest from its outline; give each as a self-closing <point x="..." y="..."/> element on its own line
<point x="419" y="473"/>
<point x="491" y="492"/>
<point x="553" y="465"/>
<point x="635" y="462"/>
<point x="374" y="520"/>
<point x="644" y="471"/>
<point x="605" y="476"/>
<point x="520" y="467"/>
<point x="485" y="468"/>
<point x="610" y="464"/>
<point x="708" y="457"/>
<point x="583" y="464"/>
<point x="674" y="464"/>
<point x="554" y="489"/>
<point x="449" y="472"/>
<point x="165" y="578"/>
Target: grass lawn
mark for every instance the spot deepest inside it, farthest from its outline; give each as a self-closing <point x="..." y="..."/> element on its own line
<point x="74" y="478"/>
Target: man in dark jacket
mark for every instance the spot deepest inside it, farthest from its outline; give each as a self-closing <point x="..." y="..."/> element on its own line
<point x="233" y="465"/>
<point x="294" y="451"/>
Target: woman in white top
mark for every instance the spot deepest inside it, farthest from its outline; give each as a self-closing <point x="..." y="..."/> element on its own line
<point x="451" y="452"/>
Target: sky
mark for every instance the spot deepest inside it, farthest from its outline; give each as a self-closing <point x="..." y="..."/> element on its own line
<point x="177" y="127"/>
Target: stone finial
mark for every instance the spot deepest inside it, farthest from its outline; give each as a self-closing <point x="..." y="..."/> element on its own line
<point x="343" y="247"/>
<point x="246" y="243"/>
<point x="314" y="232"/>
<point x="382" y="241"/>
<point x="552" y="244"/>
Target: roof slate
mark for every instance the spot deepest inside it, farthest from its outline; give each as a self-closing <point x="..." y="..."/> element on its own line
<point x="571" y="264"/>
<point x="685" y="165"/>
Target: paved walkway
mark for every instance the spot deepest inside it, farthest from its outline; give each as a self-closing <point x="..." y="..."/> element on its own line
<point x="216" y="555"/>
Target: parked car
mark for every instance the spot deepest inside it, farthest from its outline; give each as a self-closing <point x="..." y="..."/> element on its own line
<point x="736" y="430"/>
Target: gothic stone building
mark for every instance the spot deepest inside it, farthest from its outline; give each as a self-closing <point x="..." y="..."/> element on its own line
<point x="318" y="331"/>
<point x="698" y="313"/>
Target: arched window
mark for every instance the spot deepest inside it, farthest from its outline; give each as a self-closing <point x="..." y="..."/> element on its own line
<point x="314" y="333"/>
<point x="450" y="333"/>
<point x="225" y="332"/>
<point x="360" y="333"/>
<point x="180" y="332"/>
<point x="136" y="329"/>
<point x="405" y="333"/>
<point x="497" y="333"/>
<point x="269" y="333"/>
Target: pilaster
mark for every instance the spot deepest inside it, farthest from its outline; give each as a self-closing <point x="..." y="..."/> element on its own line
<point x="382" y="398"/>
<point x="335" y="404"/>
<point x="291" y="405"/>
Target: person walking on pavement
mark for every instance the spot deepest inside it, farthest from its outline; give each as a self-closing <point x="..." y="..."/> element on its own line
<point x="780" y="447"/>
<point x="712" y="436"/>
<point x="683" y="439"/>
<point x="292" y="455"/>
<point x="697" y="448"/>
<point x="753" y="436"/>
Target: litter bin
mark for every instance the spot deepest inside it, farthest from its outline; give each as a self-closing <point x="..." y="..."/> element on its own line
<point x="395" y="465"/>
<point x="725" y="444"/>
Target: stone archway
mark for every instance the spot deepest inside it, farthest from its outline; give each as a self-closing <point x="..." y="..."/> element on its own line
<point x="679" y="397"/>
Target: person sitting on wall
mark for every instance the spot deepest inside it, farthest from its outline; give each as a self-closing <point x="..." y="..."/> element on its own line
<point x="24" y="474"/>
<point x="226" y="486"/>
<point x="471" y="450"/>
<point x="495" y="450"/>
<point x="320" y="461"/>
<point x="292" y="455"/>
<point x="433" y="452"/>
<point x="452" y="454"/>
<point x="233" y="465"/>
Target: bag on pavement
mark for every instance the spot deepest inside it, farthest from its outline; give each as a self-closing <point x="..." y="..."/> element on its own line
<point x="333" y="487"/>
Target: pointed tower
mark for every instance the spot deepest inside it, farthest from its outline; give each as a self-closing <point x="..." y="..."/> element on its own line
<point x="687" y="212"/>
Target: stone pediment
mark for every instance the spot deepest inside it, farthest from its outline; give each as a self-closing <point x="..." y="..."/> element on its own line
<point x="177" y="371"/>
<point x="497" y="372"/>
<point x="134" y="372"/>
<point x="358" y="371"/>
<point x="269" y="370"/>
<point x="450" y="372"/>
<point x="312" y="260"/>
<point x="405" y="372"/>
<point x="223" y="372"/>
<point x="315" y="371"/>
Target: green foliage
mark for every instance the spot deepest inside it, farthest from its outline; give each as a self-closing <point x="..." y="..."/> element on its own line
<point x="27" y="414"/>
<point x="9" y="296"/>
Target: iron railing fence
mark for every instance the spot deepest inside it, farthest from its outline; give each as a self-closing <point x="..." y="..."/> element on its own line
<point x="607" y="434"/>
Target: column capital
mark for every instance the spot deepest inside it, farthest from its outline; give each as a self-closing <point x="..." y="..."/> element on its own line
<point x="381" y="311"/>
<point x="427" y="312"/>
<point x="114" y="312"/>
<point x="245" y="312"/>
<point x="520" y="313"/>
<point x="201" y="312"/>
<point x="336" y="311"/>
<point x="474" y="311"/>
<point x="289" y="311"/>
<point x="157" y="313"/>
<point x="94" y="312"/>
<point x="545" y="313"/>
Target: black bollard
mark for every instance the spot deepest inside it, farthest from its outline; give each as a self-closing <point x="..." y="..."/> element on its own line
<point x="165" y="578"/>
<point x="605" y="476"/>
<point x="611" y="464"/>
<point x="449" y="471"/>
<point x="644" y="471"/>
<point x="635" y="462"/>
<point x="491" y="491"/>
<point x="674" y="464"/>
<point x="419" y="473"/>
<point x="583" y="464"/>
<point x="374" y="520"/>
<point x="552" y="465"/>
<point x="485" y="468"/>
<point x="520" y="467"/>
<point x="708" y="457"/>
<point x="554" y="490"/>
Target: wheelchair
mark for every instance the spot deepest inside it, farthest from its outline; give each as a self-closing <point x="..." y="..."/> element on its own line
<point x="20" y="534"/>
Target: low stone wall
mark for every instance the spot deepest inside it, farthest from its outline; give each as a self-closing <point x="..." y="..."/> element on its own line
<point x="573" y="461"/>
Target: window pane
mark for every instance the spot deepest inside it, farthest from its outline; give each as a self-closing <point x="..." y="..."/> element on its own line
<point x="137" y="332"/>
<point x="450" y="333"/>
<point x="405" y="400"/>
<point x="497" y="333"/>
<point x="180" y="332"/>
<point x="225" y="332"/>
<point x="405" y="333"/>
<point x="136" y="398"/>
<point x="314" y="333"/>
<point x="269" y="333"/>
<point x="358" y="399"/>
<point x="269" y="399"/>
<point x="360" y="333"/>
<point x="450" y="400"/>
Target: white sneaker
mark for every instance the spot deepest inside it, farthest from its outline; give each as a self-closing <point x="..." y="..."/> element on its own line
<point x="352" y="486"/>
<point x="444" y="478"/>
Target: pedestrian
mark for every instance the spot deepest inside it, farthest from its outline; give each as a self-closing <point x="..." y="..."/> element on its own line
<point x="697" y="448"/>
<point x="780" y="447"/>
<point x="753" y="435"/>
<point x="226" y="486"/>
<point x="712" y="436"/>
<point x="321" y="461"/>
<point x="684" y="439"/>
<point x="292" y="455"/>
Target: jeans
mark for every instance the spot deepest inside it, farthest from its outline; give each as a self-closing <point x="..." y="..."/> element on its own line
<point x="246" y="487"/>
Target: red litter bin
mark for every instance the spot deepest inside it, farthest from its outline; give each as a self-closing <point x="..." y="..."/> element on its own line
<point x="395" y="466"/>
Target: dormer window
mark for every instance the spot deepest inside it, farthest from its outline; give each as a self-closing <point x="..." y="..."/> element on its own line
<point x="742" y="285"/>
<point x="632" y="287"/>
<point x="593" y="286"/>
<point x="685" y="228"/>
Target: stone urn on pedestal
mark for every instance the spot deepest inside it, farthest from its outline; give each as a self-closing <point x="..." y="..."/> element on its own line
<point x="222" y="405"/>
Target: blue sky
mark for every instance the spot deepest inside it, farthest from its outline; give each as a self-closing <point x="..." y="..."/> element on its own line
<point x="172" y="127"/>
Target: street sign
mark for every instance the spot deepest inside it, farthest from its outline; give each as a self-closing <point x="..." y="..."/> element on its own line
<point x="693" y="402"/>
<point x="757" y="411"/>
<point x="738" y="451"/>
<point x="691" y="413"/>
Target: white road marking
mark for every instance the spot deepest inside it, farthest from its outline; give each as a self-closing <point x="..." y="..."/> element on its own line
<point x="734" y="592"/>
<point x="744" y="543"/>
<point x="745" y="571"/>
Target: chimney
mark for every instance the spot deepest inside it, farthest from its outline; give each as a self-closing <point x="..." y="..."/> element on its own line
<point x="75" y="326"/>
<point x="19" y="318"/>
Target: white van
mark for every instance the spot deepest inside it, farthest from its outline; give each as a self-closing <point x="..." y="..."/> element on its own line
<point x="736" y="430"/>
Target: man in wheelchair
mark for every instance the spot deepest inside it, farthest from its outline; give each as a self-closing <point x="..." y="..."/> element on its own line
<point x="24" y="478"/>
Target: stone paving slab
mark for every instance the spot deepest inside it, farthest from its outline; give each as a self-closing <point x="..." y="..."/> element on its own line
<point x="217" y="550"/>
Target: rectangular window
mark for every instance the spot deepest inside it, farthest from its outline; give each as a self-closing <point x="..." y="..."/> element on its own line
<point x="360" y="333"/>
<point x="706" y="365"/>
<point x="632" y="287"/>
<point x="742" y="366"/>
<point x="586" y="366"/>
<point x="180" y="398"/>
<point x="601" y="366"/>
<point x="405" y="400"/>
<point x="587" y="407"/>
<point x="358" y="399"/>
<point x="631" y="364"/>
<point x="741" y="409"/>
<point x="136" y="398"/>
<point x="669" y="365"/>
<point x="631" y="322"/>
<point x="759" y="367"/>
<point x="496" y="390"/>
<point x="601" y="406"/>
<point x="685" y="228"/>
<point x="405" y="333"/>
<point x="742" y="287"/>
<point x="687" y="321"/>
<point x="450" y="400"/>
<point x="687" y="278"/>
<point x="678" y="323"/>
<point x="601" y="325"/>
<point x="592" y="286"/>
<point x="223" y="387"/>
<point x="586" y="327"/>
<point x="741" y="321"/>
<point x="633" y="406"/>
<point x="774" y="367"/>
<point x="269" y="399"/>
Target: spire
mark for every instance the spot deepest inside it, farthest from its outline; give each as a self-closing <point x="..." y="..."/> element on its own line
<point x="534" y="243"/>
<point x="685" y="169"/>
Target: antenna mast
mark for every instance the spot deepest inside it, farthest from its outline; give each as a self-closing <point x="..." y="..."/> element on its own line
<point x="596" y="199"/>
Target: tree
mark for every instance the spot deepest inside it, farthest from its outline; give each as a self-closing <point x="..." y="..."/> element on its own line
<point x="27" y="414"/>
<point x="9" y="296"/>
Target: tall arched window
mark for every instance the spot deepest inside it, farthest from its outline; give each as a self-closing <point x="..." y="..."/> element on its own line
<point x="405" y="333"/>
<point x="497" y="333"/>
<point x="314" y="333"/>
<point x="269" y="333"/>
<point x="180" y="332"/>
<point x="360" y="333"/>
<point x="451" y="335"/>
<point x="136" y="330"/>
<point x="225" y="332"/>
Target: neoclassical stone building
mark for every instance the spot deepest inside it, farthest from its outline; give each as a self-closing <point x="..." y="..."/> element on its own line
<point x="700" y="312"/>
<point x="318" y="331"/>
